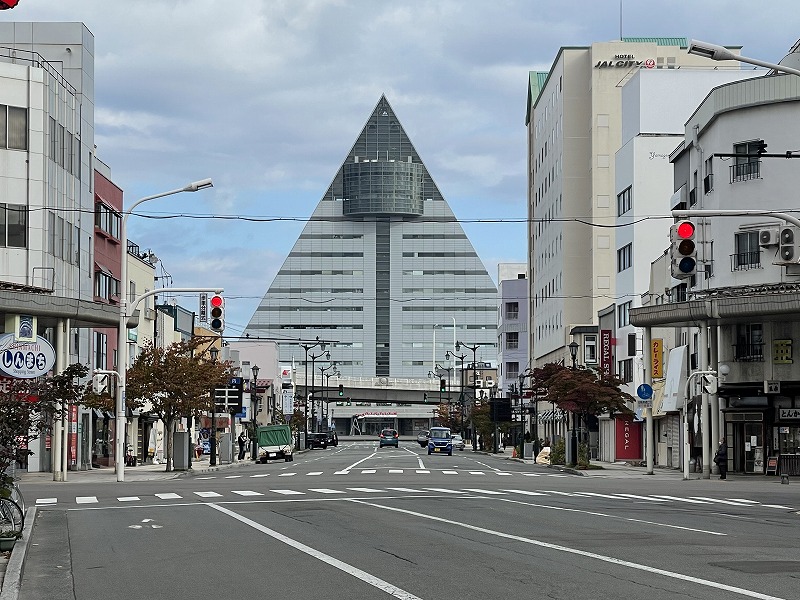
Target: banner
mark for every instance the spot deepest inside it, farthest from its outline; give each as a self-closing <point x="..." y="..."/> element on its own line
<point x="657" y="358"/>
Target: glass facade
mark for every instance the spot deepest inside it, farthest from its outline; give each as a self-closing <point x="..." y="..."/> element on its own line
<point x="380" y="264"/>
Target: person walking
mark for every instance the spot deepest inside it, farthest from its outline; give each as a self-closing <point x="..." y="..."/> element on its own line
<point x="721" y="458"/>
<point x="242" y="443"/>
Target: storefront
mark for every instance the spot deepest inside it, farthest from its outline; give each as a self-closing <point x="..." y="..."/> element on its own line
<point x="786" y="440"/>
<point x="745" y="434"/>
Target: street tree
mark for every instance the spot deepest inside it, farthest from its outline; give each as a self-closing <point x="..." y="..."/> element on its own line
<point x="174" y="382"/>
<point x="445" y="417"/>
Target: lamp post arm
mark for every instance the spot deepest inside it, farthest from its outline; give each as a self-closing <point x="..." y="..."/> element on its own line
<point x="737" y="213"/>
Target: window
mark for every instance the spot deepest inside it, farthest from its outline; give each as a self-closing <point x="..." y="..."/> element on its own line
<point x="624" y="257"/>
<point x="589" y="349"/>
<point x="624" y="314"/>
<point x="100" y="350"/>
<point x="624" y="201"/>
<point x="13" y="226"/>
<point x="107" y="219"/>
<point x="512" y="370"/>
<point x="512" y="340"/>
<point x="747" y="165"/>
<point x="748" y="252"/>
<point x="625" y="370"/>
<point x="105" y="286"/>
<point x="749" y="346"/>
<point x="13" y="127"/>
<point x="708" y="180"/>
<point x="512" y="310"/>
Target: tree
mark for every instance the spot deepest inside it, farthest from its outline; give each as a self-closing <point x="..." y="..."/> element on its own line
<point x="446" y="416"/>
<point x="172" y="383"/>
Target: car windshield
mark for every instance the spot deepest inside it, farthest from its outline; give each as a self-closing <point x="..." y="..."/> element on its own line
<point x="388" y="433"/>
<point x="456" y="436"/>
<point x="440" y="434"/>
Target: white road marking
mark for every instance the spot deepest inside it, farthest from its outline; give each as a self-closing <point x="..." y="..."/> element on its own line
<point x="40" y="501"/>
<point x="232" y="476"/>
<point x="477" y="473"/>
<point x="449" y="472"/>
<point x="745" y="500"/>
<point x="86" y="499"/>
<point x="211" y="477"/>
<point x="592" y="555"/>
<point x="315" y="473"/>
<point x="341" y="472"/>
<point x="423" y="471"/>
<point x="367" y="471"/>
<point x="444" y="491"/>
<point x="532" y="474"/>
<point x="287" y="474"/>
<point x="261" y="475"/>
<point x="361" y="489"/>
<point x="397" y="489"/>
<point x="558" y="493"/>
<point x="355" y="464"/>
<point x="208" y="494"/>
<point x="720" y="501"/>
<point x="372" y="580"/>
<point x="128" y="499"/>
<point x="395" y="470"/>
<point x="288" y="492"/>
<point x="642" y="497"/>
<point x="526" y="492"/>
<point x="479" y="491"/>
<point x="246" y="493"/>
<point x="778" y="506"/>
<point x="599" y="495"/>
<point x="169" y="496"/>
<point x="502" y="473"/>
<point x="676" y="499"/>
<point x="326" y="491"/>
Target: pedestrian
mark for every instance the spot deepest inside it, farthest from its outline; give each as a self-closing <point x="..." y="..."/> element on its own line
<point x="198" y="447"/>
<point x="721" y="458"/>
<point x="242" y="443"/>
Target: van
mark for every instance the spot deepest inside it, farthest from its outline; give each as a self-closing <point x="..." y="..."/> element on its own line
<point x="274" y="442"/>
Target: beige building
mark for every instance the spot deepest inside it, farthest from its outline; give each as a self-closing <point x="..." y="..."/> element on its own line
<point x="574" y="127"/>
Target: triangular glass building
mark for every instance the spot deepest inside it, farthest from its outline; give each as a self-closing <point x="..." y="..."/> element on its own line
<point x="380" y="264"/>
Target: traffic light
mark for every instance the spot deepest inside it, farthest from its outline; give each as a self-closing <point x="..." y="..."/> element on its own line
<point x="761" y="147"/>
<point x="683" y="250"/>
<point x="442" y="385"/>
<point x="341" y="390"/>
<point x="789" y="252"/>
<point x="710" y="384"/>
<point x="425" y="396"/>
<point x="217" y="322"/>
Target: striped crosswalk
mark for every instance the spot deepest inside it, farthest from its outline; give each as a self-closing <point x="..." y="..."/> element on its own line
<point x="621" y="499"/>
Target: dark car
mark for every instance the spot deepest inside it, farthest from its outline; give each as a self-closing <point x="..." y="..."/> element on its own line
<point x="440" y="441"/>
<point x="317" y="440"/>
<point x="333" y="439"/>
<point x="389" y="437"/>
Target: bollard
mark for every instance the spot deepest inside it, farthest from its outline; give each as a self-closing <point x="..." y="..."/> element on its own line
<point x="785" y="478"/>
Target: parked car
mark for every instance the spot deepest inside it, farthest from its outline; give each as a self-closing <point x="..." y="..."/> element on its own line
<point x="422" y="439"/>
<point x="389" y="437"/>
<point x="317" y="440"/>
<point x="458" y="441"/>
<point x="440" y="441"/>
<point x="274" y="441"/>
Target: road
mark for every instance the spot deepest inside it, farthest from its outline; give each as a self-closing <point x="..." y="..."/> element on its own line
<point x="358" y="522"/>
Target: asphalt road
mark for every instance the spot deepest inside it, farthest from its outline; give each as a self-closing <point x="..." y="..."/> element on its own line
<point x="358" y="522"/>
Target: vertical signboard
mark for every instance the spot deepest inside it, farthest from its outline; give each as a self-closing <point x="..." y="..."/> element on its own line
<point x="657" y="358"/>
<point x="606" y="353"/>
<point x="203" y="308"/>
<point x="628" y="438"/>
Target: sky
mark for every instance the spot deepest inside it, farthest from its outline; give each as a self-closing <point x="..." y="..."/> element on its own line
<point x="266" y="97"/>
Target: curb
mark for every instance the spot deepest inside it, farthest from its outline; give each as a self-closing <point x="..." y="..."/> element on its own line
<point x="16" y="564"/>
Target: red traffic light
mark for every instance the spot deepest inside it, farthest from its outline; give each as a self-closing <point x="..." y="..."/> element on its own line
<point x="216" y="301"/>
<point x="217" y="313"/>
<point x="5" y="4"/>
<point x="685" y="230"/>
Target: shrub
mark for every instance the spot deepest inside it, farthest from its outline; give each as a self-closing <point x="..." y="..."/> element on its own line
<point x="558" y="452"/>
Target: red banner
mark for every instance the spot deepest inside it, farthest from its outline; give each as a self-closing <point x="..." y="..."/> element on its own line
<point x="629" y="438"/>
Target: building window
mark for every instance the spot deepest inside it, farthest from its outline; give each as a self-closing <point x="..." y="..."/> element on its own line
<point x="749" y="346"/>
<point x="589" y="349"/>
<point x="624" y="257"/>
<point x="13" y="226"/>
<point x="748" y="252"/>
<point x="512" y="370"/>
<point x="624" y="201"/>
<point x="512" y="310"/>
<point x="747" y="165"/>
<point x="512" y="340"/>
<point x="625" y="370"/>
<point x="107" y="219"/>
<point x="624" y="314"/>
<point x="105" y="286"/>
<point x="13" y="127"/>
<point x="100" y="350"/>
<point x="708" y="180"/>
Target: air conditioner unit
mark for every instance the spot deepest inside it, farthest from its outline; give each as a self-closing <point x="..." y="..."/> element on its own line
<point x="769" y="236"/>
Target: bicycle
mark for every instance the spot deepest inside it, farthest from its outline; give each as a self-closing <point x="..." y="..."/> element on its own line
<point x="12" y="519"/>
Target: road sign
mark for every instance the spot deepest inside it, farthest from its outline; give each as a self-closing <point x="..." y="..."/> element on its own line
<point x="228" y="400"/>
<point x="644" y="391"/>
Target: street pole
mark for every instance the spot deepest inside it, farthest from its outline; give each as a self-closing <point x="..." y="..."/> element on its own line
<point x="573" y="351"/>
<point x="474" y="388"/>
<point x="122" y="329"/>
<point x="212" y="457"/>
<point x="308" y="347"/>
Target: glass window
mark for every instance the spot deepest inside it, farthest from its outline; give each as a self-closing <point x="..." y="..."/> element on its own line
<point x="589" y="349"/>
<point x="17" y="128"/>
<point x="624" y="314"/>
<point x="624" y="201"/>
<point x="13" y="225"/>
<point x="624" y="257"/>
<point x="512" y="310"/>
<point x="748" y="252"/>
<point x="512" y="340"/>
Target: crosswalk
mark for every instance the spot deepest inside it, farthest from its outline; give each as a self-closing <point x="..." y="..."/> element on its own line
<point x="541" y="495"/>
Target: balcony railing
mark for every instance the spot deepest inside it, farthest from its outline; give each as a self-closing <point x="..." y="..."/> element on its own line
<point x="745" y="171"/>
<point x="512" y="315"/>
<point x="748" y="352"/>
<point x="708" y="183"/>
<point x="692" y="197"/>
<point x="744" y="261"/>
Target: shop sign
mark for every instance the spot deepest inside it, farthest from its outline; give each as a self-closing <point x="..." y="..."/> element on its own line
<point x="26" y="360"/>
<point x="628" y="439"/>
<point x="625" y="61"/>
<point x="606" y="358"/>
<point x="657" y="354"/>
<point x="789" y="414"/>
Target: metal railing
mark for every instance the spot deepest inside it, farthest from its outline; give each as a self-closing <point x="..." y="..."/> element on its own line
<point x="748" y="352"/>
<point x="746" y="170"/>
<point x="744" y="261"/>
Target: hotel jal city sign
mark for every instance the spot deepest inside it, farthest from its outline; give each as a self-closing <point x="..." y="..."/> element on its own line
<point x="25" y="359"/>
<point x="625" y="61"/>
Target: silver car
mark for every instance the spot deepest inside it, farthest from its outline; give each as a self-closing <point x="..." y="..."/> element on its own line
<point x="422" y="439"/>
<point x="458" y="442"/>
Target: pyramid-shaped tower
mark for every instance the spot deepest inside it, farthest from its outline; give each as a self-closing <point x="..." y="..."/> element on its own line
<point x="381" y="263"/>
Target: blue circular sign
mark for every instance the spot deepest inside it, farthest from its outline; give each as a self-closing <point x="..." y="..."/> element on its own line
<point x="644" y="391"/>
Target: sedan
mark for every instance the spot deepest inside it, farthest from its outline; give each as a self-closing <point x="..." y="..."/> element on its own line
<point x="458" y="442"/>
<point x="422" y="439"/>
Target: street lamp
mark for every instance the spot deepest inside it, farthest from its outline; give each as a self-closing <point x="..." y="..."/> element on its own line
<point x="325" y="407"/>
<point x="449" y="355"/>
<point x="308" y="347"/>
<point x="573" y="352"/>
<point x="716" y="52"/>
<point x="324" y="392"/>
<point x="122" y="335"/>
<point x="212" y="456"/>
<point x="311" y="397"/>
<point x="474" y="387"/>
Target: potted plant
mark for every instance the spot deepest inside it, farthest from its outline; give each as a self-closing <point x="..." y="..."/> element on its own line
<point x="8" y="538"/>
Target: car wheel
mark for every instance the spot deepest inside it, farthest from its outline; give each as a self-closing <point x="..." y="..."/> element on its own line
<point x="429" y="452"/>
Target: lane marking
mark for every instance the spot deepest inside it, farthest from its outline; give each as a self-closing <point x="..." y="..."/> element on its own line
<point x="477" y="473"/>
<point x="287" y="474"/>
<point x="40" y="501"/>
<point x="261" y="475"/>
<point x="128" y="499"/>
<point x="778" y="506"/>
<point x="211" y="477"/>
<point x="341" y="472"/>
<point x="169" y="496"/>
<point x="744" y="500"/>
<point x="288" y="492"/>
<point x="444" y="491"/>
<point x="720" y="501"/>
<point x="689" y="500"/>
<point x="355" y="464"/>
<point x="423" y="472"/>
<point x="232" y="476"/>
<point x="594" y="555"/>
<point x="399" y="489"/>
<point x="502" y="473"/>
<point x="314" y="473"/>
<point x="595" y="494"/>
<point x="395" y="470"/>
<point x="532" y="474"/>
<point x="526" y="492"/>
<point x="367" y="471"/>
<point x="571" y="494"/>
<point x="246" y="493"/>
<point x="86" y="499"/>
<point x="326" y="491"/>
<point x="368" y="490"/>
<point x="488" y="492"/>
<point x="208" y="494"/>
<point x="642" y="497"/>
<point x="368" y="578"/>
<point x="449" y="472"/>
